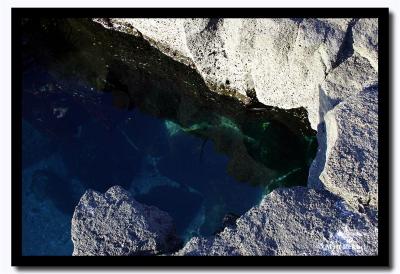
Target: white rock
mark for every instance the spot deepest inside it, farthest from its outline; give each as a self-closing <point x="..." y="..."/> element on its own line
<point x="365" y="36"/>
<point x="349" y="78"/>
<point x="292" y="222"/>
<point x="284" y="60"/>
<point x="351" y="168"/>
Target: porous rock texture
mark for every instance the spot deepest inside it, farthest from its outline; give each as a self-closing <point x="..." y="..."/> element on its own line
<point x="329" y="67"/>
<point x="296" y="221"/>
<point x="283" y="60"/>
<point x="115" y="224"/>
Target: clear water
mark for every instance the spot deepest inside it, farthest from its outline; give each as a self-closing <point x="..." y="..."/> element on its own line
<point x="169" y="141"/>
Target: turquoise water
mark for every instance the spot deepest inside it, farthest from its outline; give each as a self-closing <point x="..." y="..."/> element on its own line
<point x="155" y="130"/>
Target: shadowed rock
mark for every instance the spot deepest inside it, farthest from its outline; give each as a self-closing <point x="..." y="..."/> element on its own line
<point x="115" y="224"/>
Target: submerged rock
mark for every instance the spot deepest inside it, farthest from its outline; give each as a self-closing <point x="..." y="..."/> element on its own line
<point x="229" y="220"/>
<point x="115" y="224"/>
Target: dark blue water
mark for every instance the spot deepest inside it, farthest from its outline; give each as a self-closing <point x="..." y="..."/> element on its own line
<point x="76" y="141"/>
<point x="101" y="108"/>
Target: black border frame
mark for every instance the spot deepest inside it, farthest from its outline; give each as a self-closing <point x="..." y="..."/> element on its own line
<point x="382" y="259"/>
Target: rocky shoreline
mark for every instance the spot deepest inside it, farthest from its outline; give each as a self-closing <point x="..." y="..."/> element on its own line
<point x="327" y="66"/>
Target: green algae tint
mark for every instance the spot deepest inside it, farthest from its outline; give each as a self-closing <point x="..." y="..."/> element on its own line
<point x="134" y="117"/>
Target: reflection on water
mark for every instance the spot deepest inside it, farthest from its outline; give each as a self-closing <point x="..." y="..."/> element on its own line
<point x="101" y="108"/>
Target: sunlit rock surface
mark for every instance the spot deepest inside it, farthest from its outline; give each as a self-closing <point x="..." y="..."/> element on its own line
<point x="282" y="60"/>
<point x="351" y="168"/>
<point x="115" y="224"/>
<point x="296" y="221"/>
